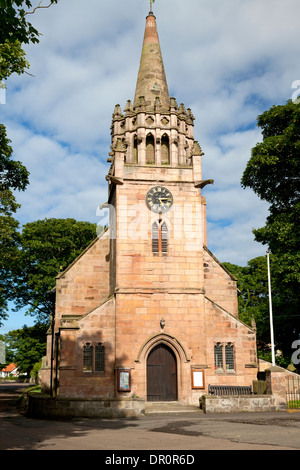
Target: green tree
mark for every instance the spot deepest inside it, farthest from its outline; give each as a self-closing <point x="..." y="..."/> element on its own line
<point x="15" y="30"/>
<point x="253" y="299"/>
<point x="46" y="247"/>
<point x="26" y="346"/>
<point x="13" y="176"/>
<point x="273" y="172"/>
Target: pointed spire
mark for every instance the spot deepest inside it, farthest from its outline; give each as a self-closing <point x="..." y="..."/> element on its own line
<point x="151" y="82"/>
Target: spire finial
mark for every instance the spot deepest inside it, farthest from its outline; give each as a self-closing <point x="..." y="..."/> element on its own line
<point x="151" y="5"/>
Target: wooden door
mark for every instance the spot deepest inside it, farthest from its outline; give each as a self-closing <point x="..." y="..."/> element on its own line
<point x="161" y="374"/>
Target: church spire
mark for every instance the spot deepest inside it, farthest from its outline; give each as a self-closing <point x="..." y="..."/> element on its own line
<point x="151" y="88"/>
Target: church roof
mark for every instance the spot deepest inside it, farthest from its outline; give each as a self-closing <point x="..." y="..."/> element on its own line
<point x="151" y="88"/>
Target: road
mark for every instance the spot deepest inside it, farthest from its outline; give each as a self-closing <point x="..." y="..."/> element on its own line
<point x="174" y="432"/>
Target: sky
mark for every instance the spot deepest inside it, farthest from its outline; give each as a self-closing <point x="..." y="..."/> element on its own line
<point x="228" y="61"/>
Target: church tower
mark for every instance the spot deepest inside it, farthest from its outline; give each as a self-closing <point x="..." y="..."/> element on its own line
<point x="147" y="310"/>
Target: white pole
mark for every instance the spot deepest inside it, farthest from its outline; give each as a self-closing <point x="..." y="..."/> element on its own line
<point x="271" y="313"/>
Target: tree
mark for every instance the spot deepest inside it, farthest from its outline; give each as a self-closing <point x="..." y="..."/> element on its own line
<point x="26" y="346"/>
<point x="13" y="176"/>
<point x="273" y="172"/>
<point x="46" y="247"/>
<point x="15" y="30"/>
<point x="253" y="299"/>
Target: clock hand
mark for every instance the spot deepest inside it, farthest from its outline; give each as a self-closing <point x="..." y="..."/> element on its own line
<point x="165" y="199"/>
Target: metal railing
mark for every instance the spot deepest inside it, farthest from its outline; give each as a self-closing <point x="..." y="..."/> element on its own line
<point x="293" y="393"/>
<point x="229" y="390"/>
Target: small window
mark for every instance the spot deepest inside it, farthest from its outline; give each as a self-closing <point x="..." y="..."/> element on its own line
<point x="229" y="356"/>
<point x="99" y="358"/>
<point x="224" y="355"/>
<point x="88" y="358"/>
<point x="218" y="356"/>
<point x="93" y="358"/>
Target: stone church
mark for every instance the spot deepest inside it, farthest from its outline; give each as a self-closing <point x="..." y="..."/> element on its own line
<point x="147" y="311"/>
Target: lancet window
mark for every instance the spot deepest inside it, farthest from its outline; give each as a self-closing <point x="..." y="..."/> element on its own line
<point x="160" y="237"/>
<point x="165" y="150"/>
<point x="150" y="149"/>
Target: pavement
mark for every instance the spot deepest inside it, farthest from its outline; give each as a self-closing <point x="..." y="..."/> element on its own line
<point x="166" y="428"/>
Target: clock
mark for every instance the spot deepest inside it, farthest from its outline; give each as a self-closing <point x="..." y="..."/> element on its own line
<point x="159" y="199"/>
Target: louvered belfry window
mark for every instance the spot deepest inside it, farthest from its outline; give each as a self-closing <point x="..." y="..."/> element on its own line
<point x="155" y="237"/>
<point x="164" y="238"/>
<point x="160" y="237"/>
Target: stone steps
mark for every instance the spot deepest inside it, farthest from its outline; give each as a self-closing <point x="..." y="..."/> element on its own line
<point x="170" y="407"/>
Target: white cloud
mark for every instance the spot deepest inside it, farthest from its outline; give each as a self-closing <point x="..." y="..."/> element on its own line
<point x="228" y="61"/>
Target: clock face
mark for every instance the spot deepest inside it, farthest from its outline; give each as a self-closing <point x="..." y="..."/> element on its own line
<point x="159" y="199"/>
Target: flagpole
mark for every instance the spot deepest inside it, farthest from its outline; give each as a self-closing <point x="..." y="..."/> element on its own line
<point x="271" y="312"/>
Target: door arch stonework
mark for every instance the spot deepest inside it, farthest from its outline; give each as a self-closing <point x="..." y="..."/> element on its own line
<point x="182" y="358"/>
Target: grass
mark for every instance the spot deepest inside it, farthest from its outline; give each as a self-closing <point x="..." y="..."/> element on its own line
<point x="293" y="404"/>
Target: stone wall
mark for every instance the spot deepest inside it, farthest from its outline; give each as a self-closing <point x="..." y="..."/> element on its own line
<point x="39" y="406"/>
<point x="238" y="404"/>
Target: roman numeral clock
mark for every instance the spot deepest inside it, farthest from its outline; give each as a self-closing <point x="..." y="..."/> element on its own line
<point x="159" y="199"/>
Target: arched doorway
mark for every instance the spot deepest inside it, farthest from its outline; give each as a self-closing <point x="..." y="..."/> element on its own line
<point x="161" y="374"/>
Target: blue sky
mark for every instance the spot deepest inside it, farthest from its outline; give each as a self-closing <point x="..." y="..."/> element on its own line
<point x="227" y="61"/>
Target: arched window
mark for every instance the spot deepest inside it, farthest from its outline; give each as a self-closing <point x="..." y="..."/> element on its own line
<point x="150" y="149"/>
<point x="155" y="235"/>
<point x="218" y="352"/>
<point x="165" y="150"/>
<point x="164" y="237"/>
<point x="99" y="358"/>
<point x="87" y="358"/>
<point x="229" y="356"/>
<point x="160" y="237"/>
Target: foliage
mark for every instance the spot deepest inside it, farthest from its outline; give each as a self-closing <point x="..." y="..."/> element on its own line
<point x="13" y="22"/>
<point x="12" y="59"/>
<point x="35" y="370"/>
<point x="46" y="247"/>
<point x="13" y="176"/>
<point x="253" y="299"/>
<point x="15" y="30"/>
<point x="27" y="346"/>
<point x="273" y="172"/>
